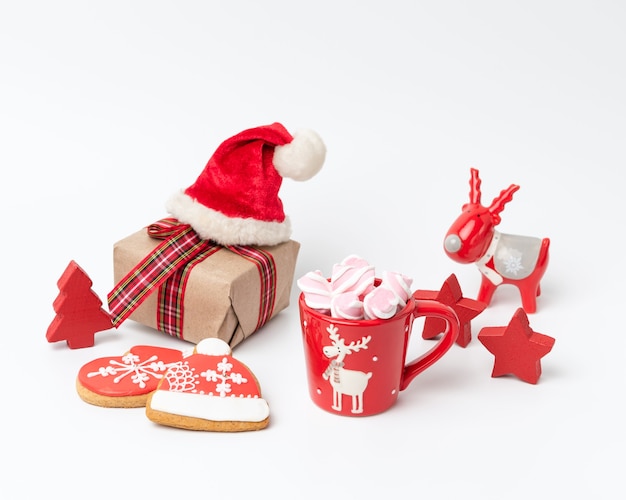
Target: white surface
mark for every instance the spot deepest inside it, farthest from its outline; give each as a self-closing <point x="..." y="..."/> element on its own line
<point x="106" y="109"/>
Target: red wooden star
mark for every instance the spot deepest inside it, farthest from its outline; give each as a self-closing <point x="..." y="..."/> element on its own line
<point x="518" y="350"/>
<point x="466" y="310"/>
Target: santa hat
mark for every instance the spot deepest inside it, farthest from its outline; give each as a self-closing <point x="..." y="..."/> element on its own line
<point x="211" y="385"/>
<point x="235" y="199"/>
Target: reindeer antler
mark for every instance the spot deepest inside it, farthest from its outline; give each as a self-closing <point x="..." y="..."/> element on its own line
<point x="497" y="205"/>
<point x="474" y="187"/>
<point x="332" y="332"/>
<point x="355" y="346"/>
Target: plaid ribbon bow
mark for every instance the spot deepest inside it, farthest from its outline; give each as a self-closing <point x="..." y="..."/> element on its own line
<point x="167" y="268"/>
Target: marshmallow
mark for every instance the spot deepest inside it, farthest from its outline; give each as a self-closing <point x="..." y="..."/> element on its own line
<point x="350" y="293"/>
<point x="316" y="290"/>
<point x="347" y="306"/>
<point x="399" y="284"/>
<point x="380" y="303"/>
<point x="353" y="274"/>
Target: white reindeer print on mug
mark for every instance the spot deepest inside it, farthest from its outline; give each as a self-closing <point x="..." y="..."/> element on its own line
<point x="349" y="382"/>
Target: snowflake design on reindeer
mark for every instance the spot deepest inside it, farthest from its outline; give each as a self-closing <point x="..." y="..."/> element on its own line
<point x="349" y="382"/>
<point x="511" y="260"/>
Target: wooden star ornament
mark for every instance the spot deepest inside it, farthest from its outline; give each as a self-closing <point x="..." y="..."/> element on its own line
<point x="466" y="309"/>
<point x="517" y="348"/>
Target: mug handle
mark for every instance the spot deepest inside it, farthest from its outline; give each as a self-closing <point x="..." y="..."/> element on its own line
<point x="431" y="308"/>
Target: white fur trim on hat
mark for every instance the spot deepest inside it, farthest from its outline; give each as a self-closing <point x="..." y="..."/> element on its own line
<point x="302" y="158"/>
<point x="213" y="225"/>
<point x="216" y="408"/>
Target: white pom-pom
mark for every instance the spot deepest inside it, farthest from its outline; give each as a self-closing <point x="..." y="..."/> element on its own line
<point x="302" y="158"/>
<point x="213" y="346"/>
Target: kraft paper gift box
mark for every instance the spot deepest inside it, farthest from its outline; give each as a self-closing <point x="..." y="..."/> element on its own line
<point x="222" y="297"/>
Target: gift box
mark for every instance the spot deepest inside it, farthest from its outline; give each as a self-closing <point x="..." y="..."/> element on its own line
<point x="222" y="264"/>
<point x="226" y="294"/>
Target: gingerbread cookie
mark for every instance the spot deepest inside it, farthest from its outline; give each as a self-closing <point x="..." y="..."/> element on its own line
<point x="125" y="381"/>
<point x="209" y="391"/>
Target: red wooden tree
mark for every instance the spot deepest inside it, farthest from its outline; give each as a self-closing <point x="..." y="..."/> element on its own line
<point x="79" y="310"/>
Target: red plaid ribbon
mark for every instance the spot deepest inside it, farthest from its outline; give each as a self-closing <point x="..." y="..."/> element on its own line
<point x="180" y="246"/>
<point x="267" y="272"/>
<point x="170" y="265"/>
<point x="170" y="311"/>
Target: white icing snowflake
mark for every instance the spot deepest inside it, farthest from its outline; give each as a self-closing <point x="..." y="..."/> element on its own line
<point x="223" y="378"/>
<point x="131" y="365"/>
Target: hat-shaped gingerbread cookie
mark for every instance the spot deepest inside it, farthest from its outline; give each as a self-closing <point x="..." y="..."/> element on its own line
<point x="235" y="199"/>
<point x="209" y="391"/>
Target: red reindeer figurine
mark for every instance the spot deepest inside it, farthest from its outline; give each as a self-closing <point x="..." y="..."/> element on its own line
<point x="501" y="258"/>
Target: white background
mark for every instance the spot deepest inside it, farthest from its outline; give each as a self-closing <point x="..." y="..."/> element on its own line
<point x="107" y="108"/>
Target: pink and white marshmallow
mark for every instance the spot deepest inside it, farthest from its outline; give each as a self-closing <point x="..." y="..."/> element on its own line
<point x="399" y="284"/>
<point x="346" y="305"/>
<point x="355" y="261"/>
<point x="353" y="274"/>
<point x="351" y="294"/>
<point x="316" y="290"/>
<point x="380" y="303"/>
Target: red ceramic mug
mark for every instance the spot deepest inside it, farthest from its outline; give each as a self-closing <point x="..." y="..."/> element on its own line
<point x="358" y="367"/>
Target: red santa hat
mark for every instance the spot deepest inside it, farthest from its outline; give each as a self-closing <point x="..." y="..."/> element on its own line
<point x="235" y="199"/>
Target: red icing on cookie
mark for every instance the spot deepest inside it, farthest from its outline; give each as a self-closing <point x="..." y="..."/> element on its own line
<point x="135" y="373"/>
<point x="219" y="375"/>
